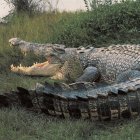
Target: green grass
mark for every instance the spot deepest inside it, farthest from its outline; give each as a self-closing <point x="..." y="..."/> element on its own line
<point x="9" y="81"/>
<point x="22" y="125"/>
<point x="72" y="29"/>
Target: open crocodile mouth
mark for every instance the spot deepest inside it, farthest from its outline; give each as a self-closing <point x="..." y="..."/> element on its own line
<point x="37" y="69"/>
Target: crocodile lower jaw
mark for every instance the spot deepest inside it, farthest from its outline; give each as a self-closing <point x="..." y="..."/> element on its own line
<point x="37" y="69"/>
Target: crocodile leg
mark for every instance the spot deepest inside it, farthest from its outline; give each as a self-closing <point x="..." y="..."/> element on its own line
<point x="90" y="74"/>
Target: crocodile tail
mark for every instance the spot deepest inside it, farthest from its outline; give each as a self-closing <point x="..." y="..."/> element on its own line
<point x="100" y="108"/>
<point x="118" y="102"/>
<point x="66" y="101"/>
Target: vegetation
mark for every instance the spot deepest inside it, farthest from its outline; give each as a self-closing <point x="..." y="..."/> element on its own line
<point x="28" y="6"/>
<point x="105" y="25"/>
<point x="32" y="7"/>
<point x="22" y="125"/>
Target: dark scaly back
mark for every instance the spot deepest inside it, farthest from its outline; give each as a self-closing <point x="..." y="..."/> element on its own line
<point x="114" y="60"/>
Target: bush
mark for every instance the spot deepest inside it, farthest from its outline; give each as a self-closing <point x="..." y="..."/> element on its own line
<point x="25" y="6"/>
<point x="69" y="30"/>
<point x="118" y="23"/>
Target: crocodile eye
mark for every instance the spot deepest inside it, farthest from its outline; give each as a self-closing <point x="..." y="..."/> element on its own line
<point x="81" y="52"/>
<point x="78" y="48"/>
<point x="59" y="50"/>
<point x="52" y="54"/>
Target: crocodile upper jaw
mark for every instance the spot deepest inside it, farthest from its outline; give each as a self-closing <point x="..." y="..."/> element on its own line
<point x="38" y="69"/>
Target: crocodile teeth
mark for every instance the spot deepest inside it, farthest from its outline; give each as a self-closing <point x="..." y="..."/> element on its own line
<point x="12" y="66"/>
<point x="35" y="63"/>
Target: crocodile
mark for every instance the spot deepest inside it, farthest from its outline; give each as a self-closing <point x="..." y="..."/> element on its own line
<point x="115" y="92"/>
<point x="116" y="63"/>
